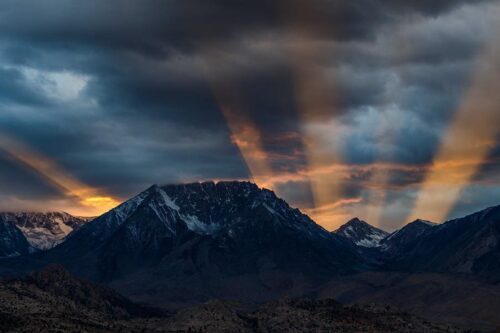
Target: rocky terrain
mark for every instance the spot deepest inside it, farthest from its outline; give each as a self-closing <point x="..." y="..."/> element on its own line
<point x="54" y="301"/>
<point x="12" y="241"/>
<point x="180" y="246"/>
<point x="468" y="245"/>
<point x="298" y="315"/>
<point x="44" y="230"/>
<point x="461" y="300"/>
<point x="405" y="238"/>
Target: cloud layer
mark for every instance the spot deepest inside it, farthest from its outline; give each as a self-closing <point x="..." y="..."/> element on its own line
<point x="123" y="94"/>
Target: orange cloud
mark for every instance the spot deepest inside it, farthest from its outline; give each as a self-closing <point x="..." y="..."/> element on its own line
<point x="344" y="173"/>
<point x="333" y="215"/>
<point x="81" y="199"/>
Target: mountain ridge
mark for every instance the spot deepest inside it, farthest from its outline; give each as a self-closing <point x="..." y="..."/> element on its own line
<point x="179" y="245"/>
<point x="470" y="244"/>
<point x="206" y="233"/>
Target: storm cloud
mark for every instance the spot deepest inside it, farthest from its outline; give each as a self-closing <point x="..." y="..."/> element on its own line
<point x="124" y="94"/>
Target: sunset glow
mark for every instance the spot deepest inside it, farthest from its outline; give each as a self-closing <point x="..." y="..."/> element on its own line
<point x="379" y="111"/>
<point x="315" y="95"/>
<point x="79" y="198"/>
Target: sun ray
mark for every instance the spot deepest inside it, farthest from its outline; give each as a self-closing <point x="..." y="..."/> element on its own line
<point x="248" y="140"/>
<point x="245" y="134"/>
<point x="470" y="137"/>
<point x="315" y="99"/>
<point x="85" y="200"/>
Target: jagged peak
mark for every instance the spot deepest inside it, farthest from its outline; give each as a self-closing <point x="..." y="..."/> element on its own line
<point x="158" y="194"/>
<point x="417" y="225"/>
<point x="153" y="187"/>
<point x="204" y="206"/>
<point x="38" y="213"/>
<point x="361" y="233"/>
<point x="207" y="185"/>
<point x="421" y="222"/>
<point x="358" y="221"/>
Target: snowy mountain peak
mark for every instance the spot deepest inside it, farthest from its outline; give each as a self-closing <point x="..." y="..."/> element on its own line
<point x="361" y="233"/>
<point x="357" y="221"/>
<point x="221" y="206"/>
<point x="226" y="208"/>
<point x="207" y="225"/>
<point x="44" y="230"/>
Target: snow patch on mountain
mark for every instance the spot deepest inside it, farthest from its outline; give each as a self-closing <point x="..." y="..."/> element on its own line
<point x="195" y="225"/>
<point x="361" y="233"/>
<point x="168" y="201"/>
<point x="126" y="208"/>
<point x="371" y="240"/>
<point x="44" y="230"/>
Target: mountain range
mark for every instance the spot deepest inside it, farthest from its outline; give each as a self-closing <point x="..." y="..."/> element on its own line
<point x="178" y="245"/>
<point x="43" y="230"/>
<point x="465" y="245"/>
<point x="194" y="242"/>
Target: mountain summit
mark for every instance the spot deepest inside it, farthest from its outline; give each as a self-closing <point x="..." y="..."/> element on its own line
<point x="361" y="233"/>
<point x="206" y="240"/>
<point x="406" y="237"/>
<point x="175" y="245"/>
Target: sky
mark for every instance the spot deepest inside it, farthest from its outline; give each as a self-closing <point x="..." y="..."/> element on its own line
<point x="386" y="110"/>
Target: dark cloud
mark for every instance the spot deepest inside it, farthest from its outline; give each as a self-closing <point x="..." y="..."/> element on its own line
<point x="126" y="93"/>
<point x="153" y="27"/>
<point x="19" y="181"/>
<point x="15" y="90"/>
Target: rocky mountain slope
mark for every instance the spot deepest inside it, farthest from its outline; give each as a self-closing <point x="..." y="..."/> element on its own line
<point x="12" y="241"/>
<point x="466" y="245"/>
<point x="44" y="230"/>
<point x="361" y="233"/>
<point x="406" y="237"/>
<point x="186" y="243"/>
<point x="178" y="245"/>
<point x="462" y="300"/>
<point x="54" y="301"/>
